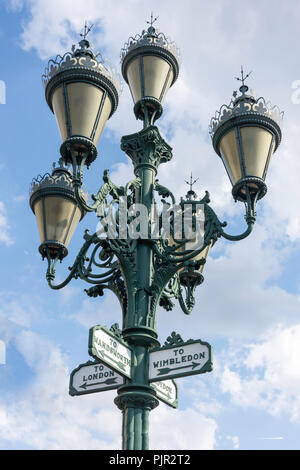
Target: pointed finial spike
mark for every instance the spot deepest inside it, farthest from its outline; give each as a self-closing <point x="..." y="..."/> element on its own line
<point x="191" y="182"/>
<point x="243" y="78"/>
<point x="152" y="21"/>
<point x="86" y="30"/>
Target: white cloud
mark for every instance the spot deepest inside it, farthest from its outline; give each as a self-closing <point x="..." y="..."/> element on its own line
<point x="43" y="416"/>
<point x="235" y="441"/>
<point x="54" y="26"/>
<point x="106" y="312"/>
<point x="271" y="380"/>
<point x="19" y="198"/>
<point x="5" y="236"/>
<point x="68" y="293"/>
<point x="14" y="5"/>
<point x="183" y="429"/>
<point x="240" y="296"/>
<point x="284" y="172"/>
<point x="16" y="313"/>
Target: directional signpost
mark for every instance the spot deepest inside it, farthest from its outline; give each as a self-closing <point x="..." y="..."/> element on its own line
<point x="166" y="391"/>
<point x="113" y="361"/>
<point x="192" y="357"/>
<point x="93" y="377"/>
<point x="111" y="350"/>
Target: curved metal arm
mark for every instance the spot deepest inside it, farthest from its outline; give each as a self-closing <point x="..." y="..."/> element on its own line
<point x="50" y="274"/>
<point x="81" y="257"/>
<point x="250" y="217"/>
<point x="77" y="181"/>
<point x="243" y="235"/>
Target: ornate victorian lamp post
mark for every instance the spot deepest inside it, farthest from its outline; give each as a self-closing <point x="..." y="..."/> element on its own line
<point x="143" y="270"/>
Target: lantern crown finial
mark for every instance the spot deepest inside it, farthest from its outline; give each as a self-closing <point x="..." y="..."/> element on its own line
<point x="86" y="30"/>
<point x="244" y="87"/>
<point x="151" y="29"/>
<point x="79" y="59"/>
<point x="191" y="193"/>
<point x="152" y="21"/>
<point x="151" y="38"/>
<point x="85" y="45"/>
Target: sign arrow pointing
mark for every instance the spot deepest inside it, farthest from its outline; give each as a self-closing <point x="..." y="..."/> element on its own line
<point x="166" y="395"/>
<point x="119" y="364"/>
<point x="166" y="370"/>
<point x="107" y="382"/>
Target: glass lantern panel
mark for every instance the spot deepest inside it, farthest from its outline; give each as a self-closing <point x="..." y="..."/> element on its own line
<point x="59" y="216"/>
<point x="105" y="113"/>
<point x="256" y="143"/>
<point x="169" y="81"/>
<point x="74" y="223"/>
<point x="192" y="245"/>
<point x="134" y="79"/>
<point x="38" y="211"/>
<point x="84" y="101"/>
<point x="230" y="156"/>
<point x="203" y="254"/>
<point x="58" y="103"/>
<point x="271" y="155"/>
<point x="155" y="74"/>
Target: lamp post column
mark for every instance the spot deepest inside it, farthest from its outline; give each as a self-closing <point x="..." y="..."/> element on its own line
<point x="136" y="399"/>
<point x="150" y="67"/>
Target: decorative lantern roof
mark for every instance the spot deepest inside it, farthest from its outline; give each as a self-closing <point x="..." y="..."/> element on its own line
<point x="246" y="105"/>
<point x="81" y="61"/>
<point x="152" y="40"/>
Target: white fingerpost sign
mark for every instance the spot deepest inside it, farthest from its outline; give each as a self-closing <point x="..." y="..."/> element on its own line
<point x="166" y="391"/>
<point x="93" y="377"/>
<point x="192" y="357"/>
<point x="111" y="350"/>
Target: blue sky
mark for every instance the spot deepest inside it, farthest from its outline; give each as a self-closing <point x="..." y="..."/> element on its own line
<point x="248" y="308"/>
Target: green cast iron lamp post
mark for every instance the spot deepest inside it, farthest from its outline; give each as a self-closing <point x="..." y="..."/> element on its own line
<point x="143" y="271"/>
